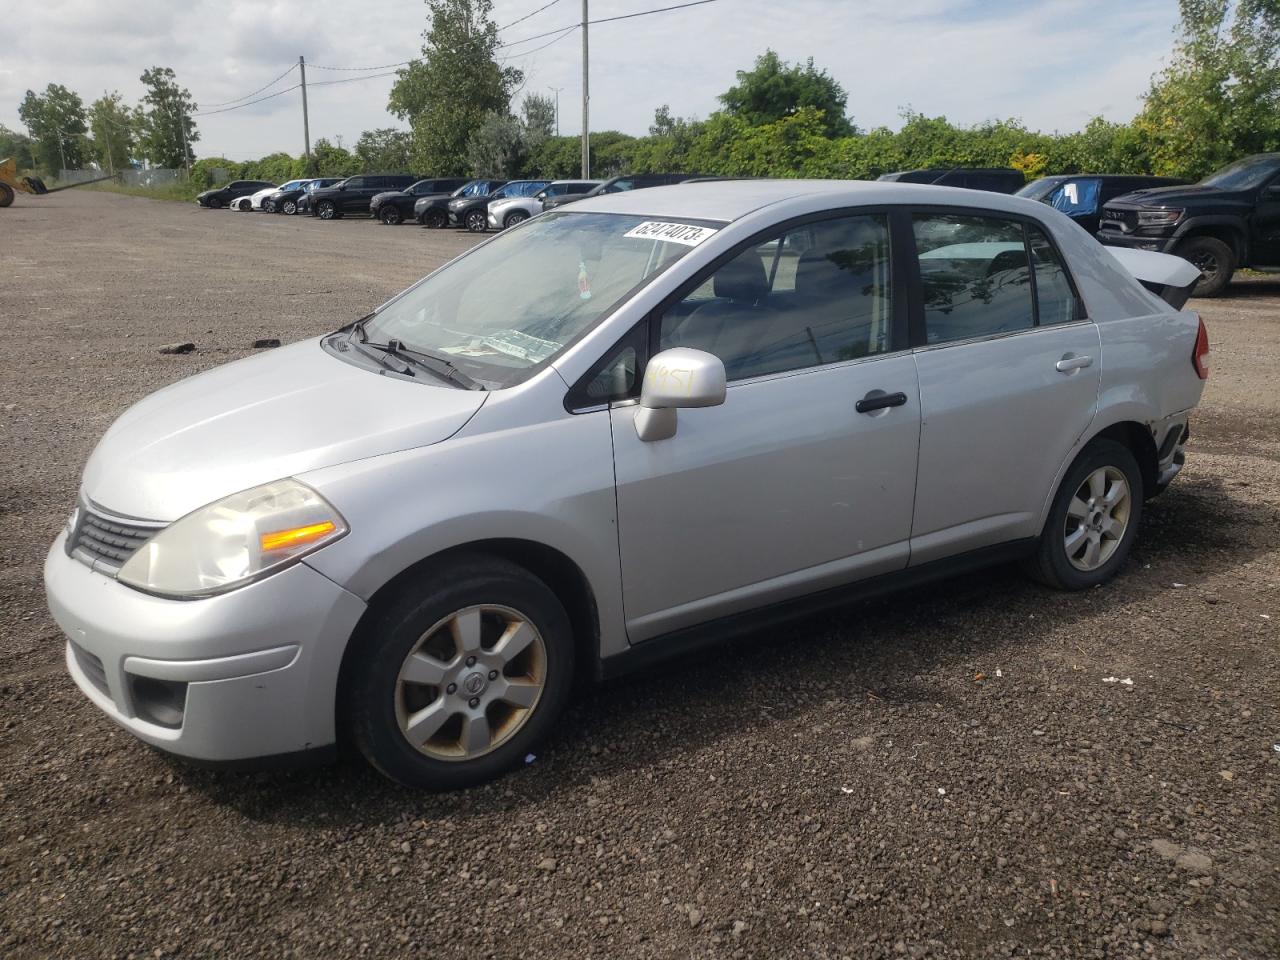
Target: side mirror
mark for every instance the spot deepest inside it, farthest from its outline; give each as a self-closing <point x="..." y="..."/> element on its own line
<point x="675" y="378"/>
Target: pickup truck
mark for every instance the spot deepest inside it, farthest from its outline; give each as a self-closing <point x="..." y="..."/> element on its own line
<point x="1230" y="219"/>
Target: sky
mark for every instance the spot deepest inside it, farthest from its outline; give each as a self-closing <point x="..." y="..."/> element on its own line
<point x="1053" y="64"/>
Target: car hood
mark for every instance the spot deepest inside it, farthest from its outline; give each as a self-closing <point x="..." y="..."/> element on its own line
<point x="273" y="415"/>
<point x="1172" y="196"/>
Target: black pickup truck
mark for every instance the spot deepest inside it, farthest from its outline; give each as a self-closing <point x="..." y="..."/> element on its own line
<point x="1229" y="219"/>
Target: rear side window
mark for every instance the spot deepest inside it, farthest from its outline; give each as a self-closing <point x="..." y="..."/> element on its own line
<point x="1076" y="197"/>
<point x="986" y="276"/>
<point x="975" y="276"/>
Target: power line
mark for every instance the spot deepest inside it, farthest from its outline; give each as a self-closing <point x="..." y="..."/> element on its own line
<point x="546" y="6"/>
<point x="645" y="13"/>
<point x="269" y="96"/>
<point x="564" y="33"/>
<point x="369" y="76"/>
<point x="381" y="66"/>
<point x="225" y="103"/>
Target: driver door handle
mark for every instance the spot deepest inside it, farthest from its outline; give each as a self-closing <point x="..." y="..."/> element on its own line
<point x="1071" y="363"/>
<point x="869" y="403"/>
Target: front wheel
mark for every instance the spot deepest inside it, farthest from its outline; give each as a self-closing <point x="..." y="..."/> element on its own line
<point x="327" y="210"/>
<point x="434" y="219"/>
<point x="215" y="203"/>
<point x="390" y="215"/>
<point x="514" y="219"/>
<point x="462" y="675"/>
<point x="289" y="207"/>
<point x="477" y="221"/>
<point x="1093" y="521"/>
<point x="1214" y="259"/>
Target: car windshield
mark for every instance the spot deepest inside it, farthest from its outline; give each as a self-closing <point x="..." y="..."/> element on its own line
<point x="291" y="185"/>
<point x="1244" y="174"/>
<point x="1039" y="189"/>
<point x="514" y="303"/>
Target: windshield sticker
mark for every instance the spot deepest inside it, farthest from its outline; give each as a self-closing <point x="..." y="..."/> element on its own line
<point x="684" y="233"/>
<point x="584" y="282"/>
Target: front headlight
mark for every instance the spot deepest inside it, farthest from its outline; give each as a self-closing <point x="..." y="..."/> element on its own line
<point x="234" y="541"/>
<point x="1158" y="218"/>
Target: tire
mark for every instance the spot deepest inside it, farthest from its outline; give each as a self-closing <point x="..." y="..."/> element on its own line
<point x="1216" y="261"/>
<point x="6" y="195"/>
<point x="515" y="218"/>
<point x="289" y="207"/>
<point x="420" y="631"/>
<point x="477" y="221"/>
<point x="434" y="219"/>
<point x="1065" y="559"/>
<point x="215" y="203"/>
<point x="327" y="210"/>
<point x="390" y="215"/>
<point x="268" y="206"/>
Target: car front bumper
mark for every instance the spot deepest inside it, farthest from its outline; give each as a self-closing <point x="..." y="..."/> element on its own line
<point x="1136" y="241"/>
<point x="246" y="674"/>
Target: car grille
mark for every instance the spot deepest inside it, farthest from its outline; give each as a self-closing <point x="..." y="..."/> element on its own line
<point x="105" y="542"/>
<point x="1126" y="220"/>
<point x="91" y="667"/>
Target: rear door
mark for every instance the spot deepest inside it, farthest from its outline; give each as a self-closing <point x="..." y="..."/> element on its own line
<point x="1009" y="369"/>
<point x="803" y="479"/>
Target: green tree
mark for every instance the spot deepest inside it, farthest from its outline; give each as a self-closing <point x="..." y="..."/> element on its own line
<point x="1219" y="98"/>
<point x="333" y="161"/>
<point x="113" y="132"/>
<point x="19" y="146"/>
<point x="774" y="89"/>
<point x="538" y="114"/>
<point x="56" y="121"/>
<point x="164" y="115"/>
<point x="385" y="150"/>
<point x="447" y="94"/>
<point x="496" y="148"/>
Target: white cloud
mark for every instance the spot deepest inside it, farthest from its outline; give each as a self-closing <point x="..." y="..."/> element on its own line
<point x="1052" y="63"/>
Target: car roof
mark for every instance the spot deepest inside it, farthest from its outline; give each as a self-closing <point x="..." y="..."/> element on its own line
<point x="728" y="200"/>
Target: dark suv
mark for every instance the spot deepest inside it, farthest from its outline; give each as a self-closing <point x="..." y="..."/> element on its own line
<point x="991" y="179"/>
<point x="221" y="196"/>
<point x="630" y="181"/>
<point x="434" y="211"/>
<point x="1081" y="196"/>
<point x="354" y="194"/>
<point x="396" y="206"/>
<point x="1229" y="219"/>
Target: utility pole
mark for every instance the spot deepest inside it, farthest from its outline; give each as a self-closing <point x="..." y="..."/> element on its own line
<point x="556" y="91"/>
<point x="106" y="132"/>
<point x="586" y="98"/>
<point x="62" y="152"/>
<point x="306" y="122"/>
<point x="182" y="125"/>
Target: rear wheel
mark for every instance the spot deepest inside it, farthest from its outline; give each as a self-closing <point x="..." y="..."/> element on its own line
<point x="1093" y="521"/>
<point x="462" y="675"/>
<point x="1214" y="259"/>
<point x="477" y="221"/>
<point x="518" y="216"/>
<point x="390" y="215"/>
<point x="327" y="210"/>
<point x="6" y="195"/>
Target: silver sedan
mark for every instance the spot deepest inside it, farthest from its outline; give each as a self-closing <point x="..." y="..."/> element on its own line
<point x="635" y="425"/>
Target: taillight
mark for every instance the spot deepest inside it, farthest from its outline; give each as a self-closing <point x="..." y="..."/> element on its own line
<point x="1200" y="355"/>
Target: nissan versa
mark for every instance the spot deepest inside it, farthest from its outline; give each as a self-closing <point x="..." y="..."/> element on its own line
<point x="710" y="404"/>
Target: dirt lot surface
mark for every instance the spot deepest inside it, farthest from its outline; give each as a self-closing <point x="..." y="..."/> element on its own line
<point x="946" y="774"/>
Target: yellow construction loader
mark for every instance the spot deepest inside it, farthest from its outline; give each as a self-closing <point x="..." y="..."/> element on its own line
<point x="11" y="184"/>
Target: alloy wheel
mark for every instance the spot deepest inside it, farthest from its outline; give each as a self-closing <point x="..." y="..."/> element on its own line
<point x="290" y="207"/>
<point x="477" y="221"/>
<point x="326" y="210"/>
<point x="470" y="682"/>
<point x="1097" y="518"/>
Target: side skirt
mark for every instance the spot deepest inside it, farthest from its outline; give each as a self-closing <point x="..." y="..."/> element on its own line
<point x="691" y="639"/>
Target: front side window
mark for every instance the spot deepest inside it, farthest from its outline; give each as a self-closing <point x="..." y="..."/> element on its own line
<point x="355" y="183"/>
<point x="819" y="293"/>
<point x="1076" y="197"/>
<point x="976" y="276"/>
<point x="570" y="269"/>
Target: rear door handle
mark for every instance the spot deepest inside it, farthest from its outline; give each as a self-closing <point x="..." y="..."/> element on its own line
<point x="1071" y="363"/>
<point x="879" y="401"/>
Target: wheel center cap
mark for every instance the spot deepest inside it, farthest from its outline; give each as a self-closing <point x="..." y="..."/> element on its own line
<point x="474" y="683"/>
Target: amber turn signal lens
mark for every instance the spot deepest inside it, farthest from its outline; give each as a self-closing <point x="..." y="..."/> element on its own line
<point x="296" y="537"/>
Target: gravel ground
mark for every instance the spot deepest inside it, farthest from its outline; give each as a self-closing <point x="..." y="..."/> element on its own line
<point x="946" y="774"/>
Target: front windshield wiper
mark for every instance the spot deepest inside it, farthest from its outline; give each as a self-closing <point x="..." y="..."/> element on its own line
<point x="442" y="367"/>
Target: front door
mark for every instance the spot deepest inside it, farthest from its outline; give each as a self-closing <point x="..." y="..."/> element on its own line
<point x="1266" y="227"/>
<point x="786" y="488"/>
<point x="1009" y="372"/>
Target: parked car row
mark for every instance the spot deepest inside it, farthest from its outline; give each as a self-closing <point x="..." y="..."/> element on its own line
<point x="1231" y="219"/>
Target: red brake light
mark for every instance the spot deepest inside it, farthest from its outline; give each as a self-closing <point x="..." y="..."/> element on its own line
<point x="1200" y="355"/>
